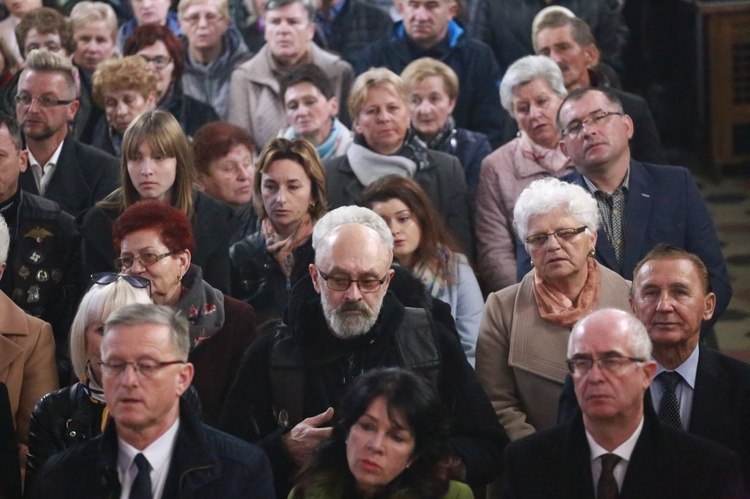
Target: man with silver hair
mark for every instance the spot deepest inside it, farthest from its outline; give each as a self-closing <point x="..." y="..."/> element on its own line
<point x="338" y="324"/>
<point x="616" y="446"/>
<point x="154" y="444"/>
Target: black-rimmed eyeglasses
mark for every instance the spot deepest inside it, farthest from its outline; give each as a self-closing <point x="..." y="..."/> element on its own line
<point x="342" y="283"/>
<point x="26" y="100"/>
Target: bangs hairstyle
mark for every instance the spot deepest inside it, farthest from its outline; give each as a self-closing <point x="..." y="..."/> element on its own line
<point x="161" y="131"/>
<point x="374" y="78"/>
<point x="145" y="36"/>
<point x="304" y="154"/>
<point x="222" y="6"/>
<point x="550" y="194"/>
<point x="421" y="69"/>
<point x="413" y="403"/>
<point x="96" y="305"/>
<point x="434" y="234"/>
<point x="173" y="227"/>
<point x="46" y="21"/>
<point x="214" y="140"/>
<point x="85" y="13"/>
<point x="524" y="71"/>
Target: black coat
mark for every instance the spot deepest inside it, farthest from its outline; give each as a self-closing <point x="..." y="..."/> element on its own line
<point x="358" y="24"/>
<point x="258" y="279"/>
<point x="10" y="468"/>
<point x="43" y="269"/>
<point x="191" y="113"/>
<point x="83" y="176"/>
<point x="211" y="223"/>
<point x="721" y="404"/>
<point x="205" y="463"/>
<point x="666" y="464"/>
<point x="330" y="363"/>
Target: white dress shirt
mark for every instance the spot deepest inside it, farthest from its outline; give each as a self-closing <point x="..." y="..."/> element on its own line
<point x="625" y="450"/>
<point x="42" y="175"/>
<point x="159" y="455"/>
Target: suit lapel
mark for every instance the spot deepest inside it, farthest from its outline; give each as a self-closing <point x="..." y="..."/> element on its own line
<point x="605" y="252"/>
<point x="709" y="397"/>
<point x="576" y="456"/>
<point x="67" y="187"/>
<point x="26" y="180"/>
<point x="637" y="217"/>
<point x="648" y="462"/>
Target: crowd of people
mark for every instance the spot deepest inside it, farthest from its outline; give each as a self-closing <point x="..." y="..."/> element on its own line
<point x="351" y="248"/>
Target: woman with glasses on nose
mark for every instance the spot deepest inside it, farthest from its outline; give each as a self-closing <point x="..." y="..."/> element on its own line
<point x="155" y="241"/>
<point x="157" y="164"/>
<point x="289" y="197"/>
<point x="165" y="53"/>
<point x="77" y="413"/>
<point x="425" y="246"/>
<point x="523" y="338"/>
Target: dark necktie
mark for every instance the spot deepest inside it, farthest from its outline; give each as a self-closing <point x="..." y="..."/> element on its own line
<point x="669" y="408"/>
<point x="142" y="484"/>
<point x="607" y="488"/>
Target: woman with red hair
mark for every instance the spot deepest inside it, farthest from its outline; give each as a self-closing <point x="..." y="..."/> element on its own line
<point x="165" y="54"/>
<point x="155" y="241"/>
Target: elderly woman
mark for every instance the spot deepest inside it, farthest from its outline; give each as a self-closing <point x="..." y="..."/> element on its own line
<point x="433" y="89"/>
<point x="155" y="241"/>
<point x="156" y="164"/>
<point x="385" y="145"/>
<point x="389" y="439"/>
<point x="531" y="91"/>
<point x="165" y="53"/>
<point x="77" y="413"/>
<point x="524" y="334"/>
<point x="94" y="33"/>
<point x="223" y="156"/>
<point x="124" y="88"/>
<point x="289" y="197"/>
<point x="424" y="245"/>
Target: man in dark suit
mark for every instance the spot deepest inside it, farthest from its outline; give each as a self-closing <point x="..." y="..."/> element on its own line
<point x="568" y="41"/>
<point x="61" y="169"/>
<point x="154" y="444"/>
<point x="615" y="446"/>
<point x="671" y="297"/>
<point x="640" y="204"/>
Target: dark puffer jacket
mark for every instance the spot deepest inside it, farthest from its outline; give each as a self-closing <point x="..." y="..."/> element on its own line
<point x="257" y="278"/>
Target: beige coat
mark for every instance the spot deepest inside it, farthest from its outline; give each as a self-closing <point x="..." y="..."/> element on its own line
<point x="27" y="361"/>
<point x="521" y="357"/>
<point x="255" y="102"/>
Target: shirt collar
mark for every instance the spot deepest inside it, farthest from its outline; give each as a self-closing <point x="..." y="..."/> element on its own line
<point x="594" y="189"/>
<point x="52" y="161"/>
<point x="688" y="369"/>
<point x="157" y="452"/>
<point x="624" y="451"/>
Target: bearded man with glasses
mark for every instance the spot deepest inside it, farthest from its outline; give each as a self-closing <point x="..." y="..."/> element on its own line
<point x="340" y="323"/>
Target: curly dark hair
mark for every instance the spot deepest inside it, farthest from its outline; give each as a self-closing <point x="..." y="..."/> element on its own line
<point x="410" y="397"/>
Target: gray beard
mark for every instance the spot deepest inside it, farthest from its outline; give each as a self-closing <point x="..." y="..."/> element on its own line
<point x="347" y="326"/>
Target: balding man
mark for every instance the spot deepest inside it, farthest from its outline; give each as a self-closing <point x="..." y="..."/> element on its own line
<point x="616" y="446"/>
<point x="340" y="323"/>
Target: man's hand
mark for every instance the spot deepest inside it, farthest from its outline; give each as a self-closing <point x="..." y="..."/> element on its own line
<point x="304" y="438"/>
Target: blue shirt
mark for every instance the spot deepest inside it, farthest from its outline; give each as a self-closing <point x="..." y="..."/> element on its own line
<point x="684" y="390"/>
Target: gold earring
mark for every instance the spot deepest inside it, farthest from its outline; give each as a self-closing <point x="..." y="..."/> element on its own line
<point x="591" y="253"/>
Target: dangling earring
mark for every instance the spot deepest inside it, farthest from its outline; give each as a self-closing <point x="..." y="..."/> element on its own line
<point x="532" y="263"/>
<point x="591" y="253"/>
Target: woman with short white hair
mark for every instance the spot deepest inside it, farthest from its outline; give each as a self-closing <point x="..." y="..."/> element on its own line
<point x="523" y="337"/>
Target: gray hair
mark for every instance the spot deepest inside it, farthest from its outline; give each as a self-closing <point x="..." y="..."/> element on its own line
<point x="351" y="215"/>
<point x="86" y="12"/>
<point x="140" y="314"/>
<point x="96" y="306"/>
<point x="4" y="240"/>
<point x="639" y="341"/>
<point x="309" y="5"/>
<point x="527" y="69"/>
<point x="549" y="194"/>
